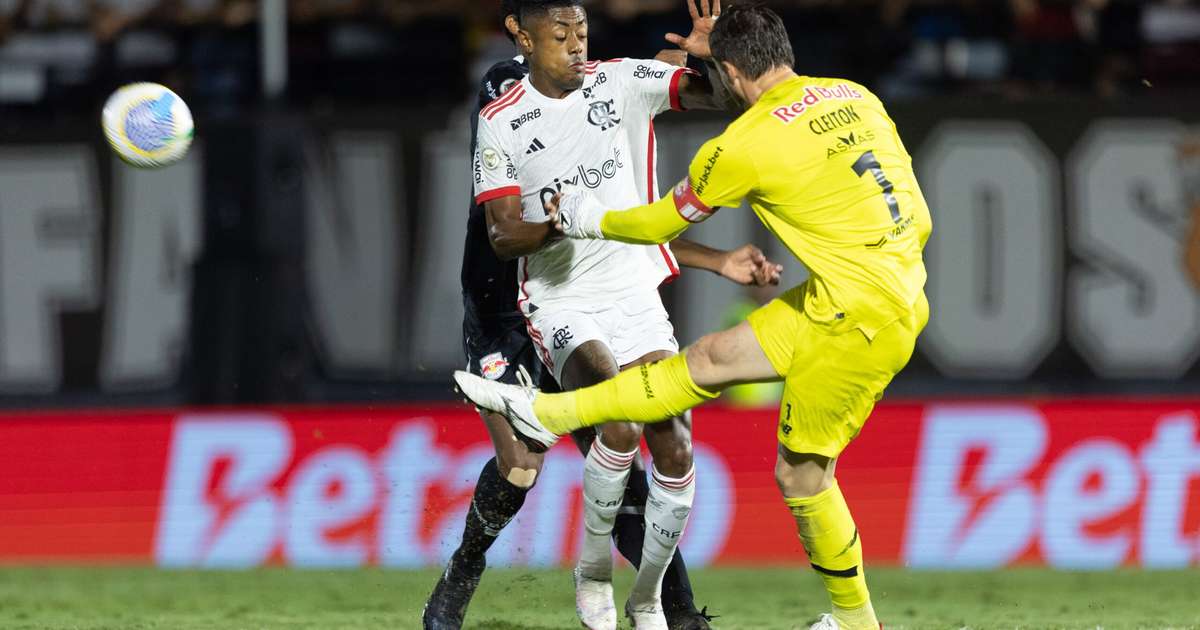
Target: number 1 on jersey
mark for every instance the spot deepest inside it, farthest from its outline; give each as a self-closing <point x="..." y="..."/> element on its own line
<point x="868" y="164"/>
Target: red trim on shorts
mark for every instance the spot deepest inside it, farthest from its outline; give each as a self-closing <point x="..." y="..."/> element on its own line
<point x="497" y="193"/>
<point x="539" y="343"/>
<point x="534" y="334"/>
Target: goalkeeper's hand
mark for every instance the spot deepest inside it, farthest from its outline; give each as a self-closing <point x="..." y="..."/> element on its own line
<point x="576" y="213"/>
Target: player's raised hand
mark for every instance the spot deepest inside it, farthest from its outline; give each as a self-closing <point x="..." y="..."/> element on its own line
<point x="749" y="266"/>
<point x="704" y="18"/>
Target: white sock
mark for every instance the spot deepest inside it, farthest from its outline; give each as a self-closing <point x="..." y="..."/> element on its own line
<point x="667" y="511"/>
<point x="604" y="475"/>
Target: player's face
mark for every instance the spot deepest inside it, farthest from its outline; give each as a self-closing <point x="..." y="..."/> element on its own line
<point x="557" y="47"/>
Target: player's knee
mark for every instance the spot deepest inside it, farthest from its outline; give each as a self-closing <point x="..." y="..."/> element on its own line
<point x="801" y="480"/>
<point x="520" y="468"/>
<point x="622" y="437"/>
<point x="675" y="460"/>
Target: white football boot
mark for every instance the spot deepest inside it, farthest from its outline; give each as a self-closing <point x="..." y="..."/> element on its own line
<point x="826" y="622"/>
<point x="646" y="616"/>
<point x="514" y="402"/>
<point x="594" y="603"/>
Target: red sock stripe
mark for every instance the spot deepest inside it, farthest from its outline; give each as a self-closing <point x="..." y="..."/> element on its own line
<point x="675" y="485"/>
<point x="611" y="460"/>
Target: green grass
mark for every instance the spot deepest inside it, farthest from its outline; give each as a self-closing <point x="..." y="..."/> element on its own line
<point x="514" y="599"/>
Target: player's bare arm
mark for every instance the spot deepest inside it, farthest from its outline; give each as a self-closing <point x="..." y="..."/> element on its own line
<point x="746" y="265"/>
<point x="510" y="235"/>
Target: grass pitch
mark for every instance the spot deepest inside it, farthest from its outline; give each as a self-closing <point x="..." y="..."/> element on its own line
<point x="514" y="599"/>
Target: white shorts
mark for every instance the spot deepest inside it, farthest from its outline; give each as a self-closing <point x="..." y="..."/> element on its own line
<point x="631" y="327"/>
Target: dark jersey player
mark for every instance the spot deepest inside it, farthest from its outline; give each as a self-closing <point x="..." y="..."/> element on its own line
<point x="498" y="346"/>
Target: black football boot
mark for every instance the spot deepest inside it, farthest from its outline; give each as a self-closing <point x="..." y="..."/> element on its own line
<point x="447" y="605"/>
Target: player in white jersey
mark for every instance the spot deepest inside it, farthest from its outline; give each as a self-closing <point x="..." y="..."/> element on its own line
<point x="592" y="307"/>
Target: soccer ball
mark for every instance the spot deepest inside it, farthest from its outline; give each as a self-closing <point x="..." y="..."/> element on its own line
<point x="147" y="125"/>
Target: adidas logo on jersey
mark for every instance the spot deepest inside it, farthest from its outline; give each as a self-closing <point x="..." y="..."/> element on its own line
<point x="535" y="147"/>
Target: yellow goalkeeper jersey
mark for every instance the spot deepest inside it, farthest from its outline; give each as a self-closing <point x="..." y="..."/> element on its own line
<point x="823" y="167"/>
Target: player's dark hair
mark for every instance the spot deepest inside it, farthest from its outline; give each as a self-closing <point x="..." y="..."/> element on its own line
<point x="753" y="38"/>
<point x="526" y="9"/>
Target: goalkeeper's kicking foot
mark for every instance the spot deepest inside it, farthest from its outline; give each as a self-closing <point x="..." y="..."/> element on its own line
<point x="827" y="622"/>
<point x="594" y="603"/>
<point x="514" y="402"/>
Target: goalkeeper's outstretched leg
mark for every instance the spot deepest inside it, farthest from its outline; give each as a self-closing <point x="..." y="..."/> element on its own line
<point x="831" y="384"/>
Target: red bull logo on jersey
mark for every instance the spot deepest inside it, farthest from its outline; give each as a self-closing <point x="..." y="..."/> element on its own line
<point x="814" y="96"/>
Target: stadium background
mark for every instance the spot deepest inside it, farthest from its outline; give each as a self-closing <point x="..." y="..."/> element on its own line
<point x="243" y="359"/>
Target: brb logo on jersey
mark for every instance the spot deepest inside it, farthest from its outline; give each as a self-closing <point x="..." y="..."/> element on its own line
<point x="602" y="114"/>
<point x="524" y="118"/>
<point x="601" y="79"/>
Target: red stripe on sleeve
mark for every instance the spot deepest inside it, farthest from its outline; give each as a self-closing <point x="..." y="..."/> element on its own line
<point x="676" y="102"/>
<point x="518" y="91"/>
<point x="492" y="195"/>
<point x="508" y="96"/>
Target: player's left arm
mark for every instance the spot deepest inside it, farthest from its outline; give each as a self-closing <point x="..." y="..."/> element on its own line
<point x="721" y="174"/>
<point x="746" y="265"/>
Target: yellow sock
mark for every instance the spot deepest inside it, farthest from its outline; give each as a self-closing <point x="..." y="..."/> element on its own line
<point x="835" y="551"/>
<point x="647" y="393"/>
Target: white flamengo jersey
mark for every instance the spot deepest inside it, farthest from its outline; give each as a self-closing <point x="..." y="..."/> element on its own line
<point x="600" y="137"/>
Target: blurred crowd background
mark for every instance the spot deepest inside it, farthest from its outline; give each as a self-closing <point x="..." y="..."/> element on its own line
<point x="309" y="248"/>
<point x="60" y="55"/>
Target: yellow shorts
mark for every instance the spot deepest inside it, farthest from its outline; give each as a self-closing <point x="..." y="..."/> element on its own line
<point x="832" y="381"/>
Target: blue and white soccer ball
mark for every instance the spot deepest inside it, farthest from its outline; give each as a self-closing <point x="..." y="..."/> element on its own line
<point x="148" y="125"/>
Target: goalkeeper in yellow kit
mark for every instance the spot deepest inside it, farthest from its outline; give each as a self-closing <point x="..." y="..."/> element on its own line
<point x="823" y="167"/>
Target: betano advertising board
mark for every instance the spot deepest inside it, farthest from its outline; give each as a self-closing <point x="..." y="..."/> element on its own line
<point x="1073" y="484"/>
